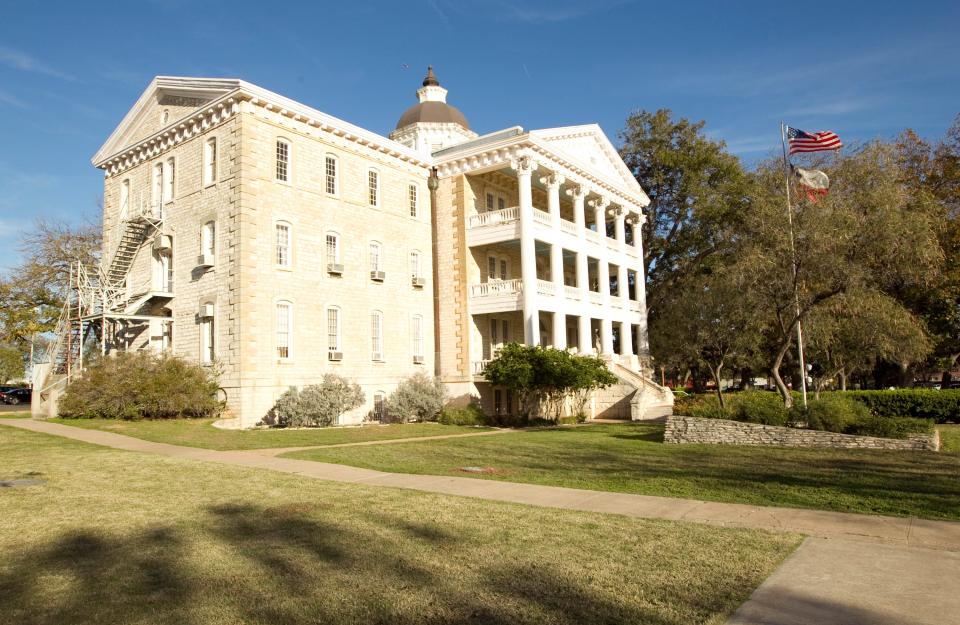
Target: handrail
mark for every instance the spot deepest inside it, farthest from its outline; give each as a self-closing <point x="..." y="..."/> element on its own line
<point x="497" y="287"/>
<point x="494" y="218"/>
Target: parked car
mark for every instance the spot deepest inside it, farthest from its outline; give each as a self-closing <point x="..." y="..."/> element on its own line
<point x="16" y="396"/>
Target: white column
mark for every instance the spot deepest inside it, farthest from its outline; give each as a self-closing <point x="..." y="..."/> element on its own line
<point x="620" y="229"/>
<point x="528" y="250"/>
<point x="603" y="269"/>
<point x="578" y="194"/>
<point x="553" y="182"/>
<point x="559" y="298"/>
<point x="643" y="340"/>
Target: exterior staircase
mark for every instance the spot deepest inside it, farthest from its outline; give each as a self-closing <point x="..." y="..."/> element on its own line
<point x="634" y="397"/>
<point x="135" y="232"/>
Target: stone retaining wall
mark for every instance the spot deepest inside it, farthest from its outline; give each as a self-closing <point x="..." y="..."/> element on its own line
<point x="720" y="431"/>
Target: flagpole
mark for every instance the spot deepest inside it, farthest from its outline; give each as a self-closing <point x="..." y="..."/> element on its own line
<point x="793" y="258"/>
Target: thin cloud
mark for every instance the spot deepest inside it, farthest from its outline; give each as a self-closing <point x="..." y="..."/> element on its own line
<point x="24" y="62"/>
<point x="11" y="100"/>
<point x="440" y="13"/>
<point x="554" y="13"/>
<point x="833" y="107"/>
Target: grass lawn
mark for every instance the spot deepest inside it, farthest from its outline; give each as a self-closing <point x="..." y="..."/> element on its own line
<point x="949" y="438"/>
<point x="632" y="459"/>
<point x="23" y="414"/>
<point x="122" y="537"/>
<point x="201" y="433"/>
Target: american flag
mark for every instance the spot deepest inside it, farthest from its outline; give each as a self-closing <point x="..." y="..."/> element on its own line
<point x="801" y="141"/>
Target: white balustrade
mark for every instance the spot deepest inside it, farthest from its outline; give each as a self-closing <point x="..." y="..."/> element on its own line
<point x="497" y="287"/>
<point x="542" y="217"/>
<point x="634" y="306"/>
<point x="545" y="287"/>
<point x="592" y="236"/>
<point x="478" y="366"/>
<point x="613" y="244"/>
<point x="569" y="227"/>
<point x="572" y="292"/>
<point x="596" y="298"/>
<point x="616" y="302"/>
<point x="495" y="218"/>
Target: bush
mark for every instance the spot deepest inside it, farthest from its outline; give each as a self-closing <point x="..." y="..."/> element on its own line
<point x="142" y="385"/>
<point x="703" y="406"/>
<point x="942" y="406"/>
<point x="417" y="398"/>
<point x="889" y="427"/>
<point x="471" y="414"/>
<point x="830" y="413"/>
<point x="318" y="405"/>
<point x="758" y="407"/>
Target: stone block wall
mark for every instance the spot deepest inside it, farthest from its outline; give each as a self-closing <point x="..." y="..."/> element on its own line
<point x="720" y="431"/>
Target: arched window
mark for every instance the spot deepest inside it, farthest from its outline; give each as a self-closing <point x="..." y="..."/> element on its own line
<point x="373" y="187"/>
<point x="379" y="406"/>
<point x="284" y="330"/>
<point x="376" y="335"/>
<point x="415" y="266"/>
<point x="210" y="161"/>
<point x="376" y="256"/>
<point x="333" y="251"/>
<point x="169" y="179"/>
<point x="208" y="241"/>
<point x="416" y="338"/>
<point x="207" y="333"/>
<point x="283" y="160"/>
<point x="157" y="190"/>
<point x="332" y="182"/>
<point x="333" y="329"/>
<point x="284" y="244"/>
<point x="413" y="196"/>
<point x="124" y="199"/>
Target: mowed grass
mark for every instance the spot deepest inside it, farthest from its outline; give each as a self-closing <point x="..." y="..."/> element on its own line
<point x="949" y="438"/>
<point x="201" y="433"/>
<point x="632" y="459"/>
<point x="22" y="414"/>
<point x="123" y="537"/>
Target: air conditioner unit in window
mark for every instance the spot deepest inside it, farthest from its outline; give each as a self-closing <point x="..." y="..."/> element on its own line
<point x="162" y="242"/>
<point x="377" y="276"/>
<point x="206" y="311"/>
<point x="418" y="282"/>
<point x="205" y="260"/>
<point x="335" y="356"/>
<point x="335" y="268"/>
<point x="377" y="356"/>
<point x="418" y="360"/>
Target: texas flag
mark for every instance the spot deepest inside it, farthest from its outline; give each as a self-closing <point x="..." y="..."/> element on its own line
<point x="814" y="182"/>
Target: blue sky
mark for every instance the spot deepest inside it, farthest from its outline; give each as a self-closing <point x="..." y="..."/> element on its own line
<point x="69" y="71"/>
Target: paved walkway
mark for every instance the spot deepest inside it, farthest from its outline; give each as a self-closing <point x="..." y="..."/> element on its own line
<point x="855" y="569"/>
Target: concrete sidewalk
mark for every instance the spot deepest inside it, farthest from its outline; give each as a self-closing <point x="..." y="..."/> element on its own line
<point x="904" y="532"/>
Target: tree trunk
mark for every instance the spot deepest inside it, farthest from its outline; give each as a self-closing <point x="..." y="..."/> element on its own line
<point x="716" y="380"/>
<point x="947" y="376"/>
<point x="775" y="372"/>
<point x="746" y="378"/>
<point x="843" y="379"/>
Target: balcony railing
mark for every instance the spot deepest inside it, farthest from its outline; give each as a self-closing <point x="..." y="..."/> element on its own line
<point x="545" y="287"/>
<point x="497" y="287"/>
<point x="613" y="244"/>
<point x="592" y="236"/>
<point x="495" y="218"/>
<point x="596" y="298"/>
<point x="569" y="227"/>
<point x="542" y="217"/>
<point x="572" y="292"/>
<point x="477" y="367"/>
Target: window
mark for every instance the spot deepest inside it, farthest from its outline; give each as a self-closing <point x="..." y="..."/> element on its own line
<point x="491" y="269"/>
<point x="415" y="265"/>
<point x="333" y="329"/>
<point x="416" y="337"/>
<point x="283" y="160"/>
<point x="501" y="203"/>
<point x="207" y="337"/>
<point x="331" y="174"/>
<point x="169" y="179"/>
<point x="165" y="116"/>
<point x="283" y="244"/>
<point x="208" y="239"/>
<point x="210" y="161"/>
<point x="497" y="402"/>
<point x="497" y="268"/>
<point x="490" y="201"/>
<point x="166" y="336"/>
<point x="503" y="269"/>
<point x="412" y="194"/>
<point x="157" y="184"/>
<point x="124" y="198"/>
<point x="376" y="335"/>
<point x="379" y="411"/>
<point x="499" y="335"/>
<point x="284" y="330"/>
<point x="373" y="187"/>
<point x="163" y="267"/>
<point x="376" y="256"/>
<point x="333" y="248"/>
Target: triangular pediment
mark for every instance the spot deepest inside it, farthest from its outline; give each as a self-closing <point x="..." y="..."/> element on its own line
<point x="165" y="101"/>
<point x="589" y="147"/>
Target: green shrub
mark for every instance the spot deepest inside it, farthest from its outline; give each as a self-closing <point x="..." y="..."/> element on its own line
<point x="889" y="427"/>
<point x="758" y="407"/>
<point x="417" y="398"/>
<point x="942" y="406"/>
<point x="471" y="414"/>
<point x="830" y="413"/>
<point x="703" y="406"/>
<point x="142" y="385"/>
<point x="317" y="405"/>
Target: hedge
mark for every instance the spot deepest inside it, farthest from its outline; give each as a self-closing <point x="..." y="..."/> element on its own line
<point x="942" y="406"/>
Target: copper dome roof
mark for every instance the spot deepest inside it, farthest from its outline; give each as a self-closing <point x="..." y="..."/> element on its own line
<point x="431" y="111"/>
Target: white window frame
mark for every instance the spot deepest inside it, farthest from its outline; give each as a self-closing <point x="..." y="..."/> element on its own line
<point x="208" y="336"/>
<point x="156" y="192"/>
<point x="210" y="162"/>
<point x="283" y="255"/>
<point x="501" y="268"/>
<point x="283" y="160"/>
<point x="376" y="336"/>
<point x="413" y="195"/>
<point x="416" y="336"/>
<point x="373" y="187"/>
<point x="334" y="338"/>
<point x="379" y="411"/>
<point x="208" y="239"/>
<point x="169" y="179"/>
<point x="415" y="267"/>
<point x="284" y="327"/>
<point x="376" y="256"/>
<point x="124" y="199"/>
<point x="335" y="178"/>
<point x="337" y="247"/>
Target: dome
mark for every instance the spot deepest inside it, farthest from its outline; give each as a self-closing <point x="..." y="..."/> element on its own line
<point x="432" y="107"/>
<point x="432" y="112"/>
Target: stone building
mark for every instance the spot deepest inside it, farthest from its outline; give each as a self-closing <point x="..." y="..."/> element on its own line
<point x="259" y="235"/>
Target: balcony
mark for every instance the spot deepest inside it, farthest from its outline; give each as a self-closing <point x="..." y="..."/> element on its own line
<point x="496" y="296"/>
<point x="477" y="367"/>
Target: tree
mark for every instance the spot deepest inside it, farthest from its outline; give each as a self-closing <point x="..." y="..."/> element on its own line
<point x="862" y="237"/>
<point x="698" y="194"/>
<point x="11" y="364"/>
<point x="318" y="405"/>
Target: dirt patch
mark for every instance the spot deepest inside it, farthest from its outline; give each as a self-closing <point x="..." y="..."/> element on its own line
<point x="488" y="470"/>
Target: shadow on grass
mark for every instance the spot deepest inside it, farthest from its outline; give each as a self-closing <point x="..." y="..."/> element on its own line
<point x="241" y="563"/>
